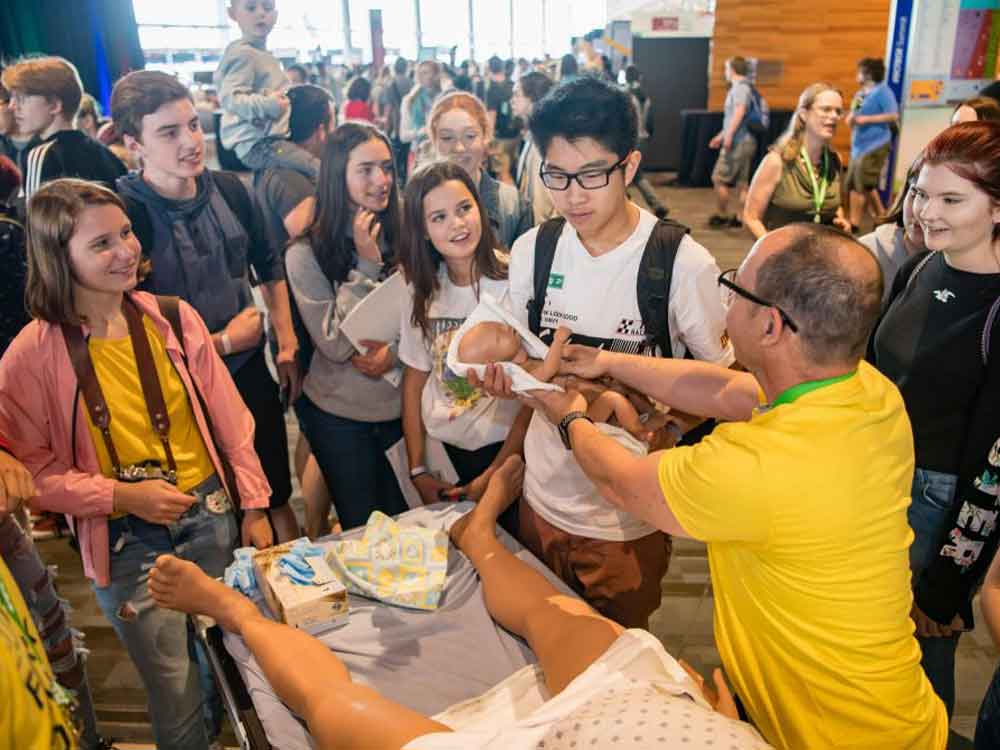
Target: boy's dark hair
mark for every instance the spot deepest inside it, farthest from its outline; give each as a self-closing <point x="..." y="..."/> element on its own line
<point x="535" y="85"/>
<point x="400" y="66"/>
<point x="310" y="109"/>
<point x="739" y="65"/>
<point x="360" y="90"/>
<point x="300" y="69"/>
<point x="495" y="65"/>
<point x="141" y="93"/>
<point x="873" y="68"/>
<point x="586" y="107"/>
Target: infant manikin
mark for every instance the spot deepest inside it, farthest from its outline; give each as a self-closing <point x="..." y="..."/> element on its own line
<point x="492" y="341"/>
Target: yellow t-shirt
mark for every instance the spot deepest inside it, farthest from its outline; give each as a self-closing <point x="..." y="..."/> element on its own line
<point x="34" y="708"/>
<point x="132" y="431"/>
<point x="804" y="512"/>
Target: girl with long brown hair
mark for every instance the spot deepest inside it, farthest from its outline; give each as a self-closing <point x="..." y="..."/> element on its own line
<point x="450" y="261"/>
<point x="132" y="426"/>
<point x="348" y="411"/>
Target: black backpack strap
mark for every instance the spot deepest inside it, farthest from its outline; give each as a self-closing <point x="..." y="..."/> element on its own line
<point x="142" y="225"/>
<point x="656" y="271"/>
<point x="170" y="308"/>
<point x="545" y="253"/>
<point x="236" y="196"/>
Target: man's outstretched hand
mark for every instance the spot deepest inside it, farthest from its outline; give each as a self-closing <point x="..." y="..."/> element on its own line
<point x="584" y="361"/>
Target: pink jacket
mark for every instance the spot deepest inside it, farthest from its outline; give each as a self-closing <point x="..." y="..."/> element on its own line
<point x="38" y="393"/>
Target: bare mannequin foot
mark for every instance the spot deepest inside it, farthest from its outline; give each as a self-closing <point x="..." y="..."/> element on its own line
<point x="502" y="490"/>
<point x="183" y="586"/>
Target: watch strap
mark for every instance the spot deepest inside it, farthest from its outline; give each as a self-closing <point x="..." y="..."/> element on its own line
<point x="566" y="421"/>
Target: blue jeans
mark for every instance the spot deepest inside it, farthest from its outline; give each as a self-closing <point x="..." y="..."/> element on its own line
<point x="933" y="494"/>
<point x="160" y="641"/>
<point x="988" y="723"/>
<point x="351" y="455"/>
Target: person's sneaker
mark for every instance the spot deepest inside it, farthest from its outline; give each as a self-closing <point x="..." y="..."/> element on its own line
<point x="734" y="222"/>
<point x="716" y="220"/>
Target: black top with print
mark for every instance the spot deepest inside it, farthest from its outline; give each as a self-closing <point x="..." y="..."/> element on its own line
<point x="929" y="343"/>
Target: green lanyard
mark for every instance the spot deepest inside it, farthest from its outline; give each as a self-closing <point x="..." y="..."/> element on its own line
<point x="818" y="189"/>
<point x="789" y="395"/>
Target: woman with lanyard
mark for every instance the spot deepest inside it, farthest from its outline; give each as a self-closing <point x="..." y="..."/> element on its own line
<point x="939" y="343"/>
<point x="139" y="436"/>
<point x="799" y="179"/>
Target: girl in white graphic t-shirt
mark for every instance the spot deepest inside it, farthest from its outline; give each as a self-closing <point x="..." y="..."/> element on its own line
<point x="449" y="259"/>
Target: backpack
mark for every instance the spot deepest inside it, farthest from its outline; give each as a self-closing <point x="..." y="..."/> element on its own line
<point x="758" y="116"/>
<point x="656" y="269"/>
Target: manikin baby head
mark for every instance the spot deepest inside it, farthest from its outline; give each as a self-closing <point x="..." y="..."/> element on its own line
<point x="491" y="342"/>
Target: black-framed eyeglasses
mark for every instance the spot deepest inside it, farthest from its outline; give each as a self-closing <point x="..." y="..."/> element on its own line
<point x="732" y="288"/>
<point x="588" y="179"/>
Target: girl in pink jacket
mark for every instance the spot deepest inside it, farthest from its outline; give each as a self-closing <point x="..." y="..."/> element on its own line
<point x="107" y="409"/>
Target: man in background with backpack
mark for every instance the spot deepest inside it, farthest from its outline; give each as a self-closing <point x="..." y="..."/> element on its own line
<point x="736" y="142"/>
<point x="203" y="230"/>
<point x="621" y="280"/>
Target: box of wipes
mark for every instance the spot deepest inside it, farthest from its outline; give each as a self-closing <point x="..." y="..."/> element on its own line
<point x="302" y="591"/>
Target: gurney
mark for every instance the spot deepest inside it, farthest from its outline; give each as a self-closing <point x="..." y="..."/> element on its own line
<point x="426" y="660"/>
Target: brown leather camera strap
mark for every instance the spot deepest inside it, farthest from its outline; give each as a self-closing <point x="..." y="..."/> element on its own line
<point x="150" y="380"/>
<point x="93" y="396"/>
<point x="79" y="355"/>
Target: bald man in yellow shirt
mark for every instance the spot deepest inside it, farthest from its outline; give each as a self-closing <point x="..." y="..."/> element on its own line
<point x="801" y="495"/>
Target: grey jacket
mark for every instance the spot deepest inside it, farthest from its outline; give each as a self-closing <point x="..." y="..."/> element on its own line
<point x="247" y="77"/>
<point x="886" y="244"/>
<point x="333" y="383"/>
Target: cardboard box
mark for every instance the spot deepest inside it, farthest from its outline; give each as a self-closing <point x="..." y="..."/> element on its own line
<point x="312" y="607"/>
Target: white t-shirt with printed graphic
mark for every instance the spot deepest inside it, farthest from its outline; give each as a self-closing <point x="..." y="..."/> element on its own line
<point x="596" y="299"/>
<point x="453" y="411"/>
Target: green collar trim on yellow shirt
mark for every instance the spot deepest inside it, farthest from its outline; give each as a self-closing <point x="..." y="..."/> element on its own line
<point x="789" y="395"/>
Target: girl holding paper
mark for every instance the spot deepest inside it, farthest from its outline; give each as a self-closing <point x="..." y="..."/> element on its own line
<point x="449" y="259"/>
<point x="348" y="411"/>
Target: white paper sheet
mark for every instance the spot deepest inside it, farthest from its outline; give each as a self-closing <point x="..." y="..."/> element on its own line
<point x="377" y="318"/>
<point x="435" y="458"/>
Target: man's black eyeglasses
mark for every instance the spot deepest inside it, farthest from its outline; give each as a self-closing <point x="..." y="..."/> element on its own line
<point x="726" y="280"/>
<point x="588" y="179"/>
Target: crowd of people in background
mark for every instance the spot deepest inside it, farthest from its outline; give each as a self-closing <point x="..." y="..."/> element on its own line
<point x="137" y="398"/>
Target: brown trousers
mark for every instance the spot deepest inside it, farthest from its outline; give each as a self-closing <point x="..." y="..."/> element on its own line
<point x="621" y="580"/>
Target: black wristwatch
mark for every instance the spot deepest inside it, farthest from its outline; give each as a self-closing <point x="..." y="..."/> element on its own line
<point x="565" y="422"/>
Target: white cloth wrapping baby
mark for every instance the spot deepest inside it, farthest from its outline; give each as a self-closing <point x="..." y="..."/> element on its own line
<point x="489" y="310"/>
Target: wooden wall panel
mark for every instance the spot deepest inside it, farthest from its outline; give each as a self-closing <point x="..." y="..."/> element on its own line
<point x="817" y="40"/>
